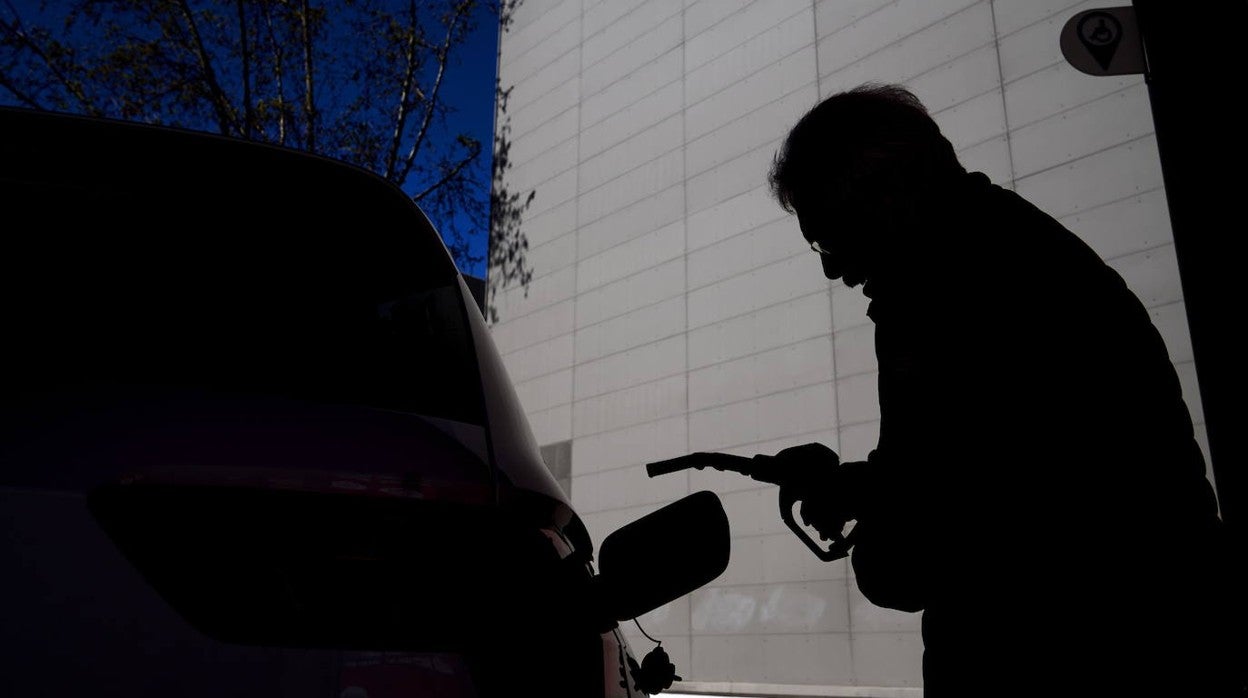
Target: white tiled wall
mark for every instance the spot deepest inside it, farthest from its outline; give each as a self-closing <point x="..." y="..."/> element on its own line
<point x="675" y="307"/>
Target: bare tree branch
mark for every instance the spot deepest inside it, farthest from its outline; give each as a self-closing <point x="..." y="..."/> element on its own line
<point x="409" y="76"/>
<point x="15" y="30"/>
<point x="278" y="58"/>
<point x="17" y="92"/>
<point x="309" y="105"/>
<point x="249" y="116"/>
<point x="226" y="118"/>
<point x="451" y="173"/>
<point x="431" y="102"/>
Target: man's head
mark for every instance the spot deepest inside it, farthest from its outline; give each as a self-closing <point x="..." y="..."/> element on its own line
<point x="856" y="170"/>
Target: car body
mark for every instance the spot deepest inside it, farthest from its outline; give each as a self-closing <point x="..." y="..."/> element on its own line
<point x="258" y="441"/>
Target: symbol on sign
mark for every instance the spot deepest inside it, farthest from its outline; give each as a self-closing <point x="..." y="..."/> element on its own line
<point x="1100" y="33"/>
<point x="1104" y="41"/>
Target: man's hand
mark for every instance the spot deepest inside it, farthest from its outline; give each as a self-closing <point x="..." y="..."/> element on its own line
<point x="826" y="490"/>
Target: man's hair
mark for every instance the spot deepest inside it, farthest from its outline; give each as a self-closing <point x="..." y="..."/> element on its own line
<point x="871" y="132"/>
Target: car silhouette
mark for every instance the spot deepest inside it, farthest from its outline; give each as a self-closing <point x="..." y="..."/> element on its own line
<point x="257" y="440"/>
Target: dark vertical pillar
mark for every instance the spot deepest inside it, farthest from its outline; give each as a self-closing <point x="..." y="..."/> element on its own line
<point x="1196" y="79"/>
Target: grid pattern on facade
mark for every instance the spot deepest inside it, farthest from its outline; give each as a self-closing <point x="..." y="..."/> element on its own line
<point x="675" y="307"/>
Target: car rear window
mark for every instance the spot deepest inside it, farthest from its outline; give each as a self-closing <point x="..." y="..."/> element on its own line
<point x="168" y="259"/>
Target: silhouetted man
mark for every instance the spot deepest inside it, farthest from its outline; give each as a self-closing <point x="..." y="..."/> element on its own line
<point x="1036" y="490"/>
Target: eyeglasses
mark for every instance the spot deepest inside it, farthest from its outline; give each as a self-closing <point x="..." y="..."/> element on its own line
<point x="819" y="248"/>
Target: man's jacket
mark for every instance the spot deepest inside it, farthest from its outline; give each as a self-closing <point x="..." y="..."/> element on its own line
<point x="1038" y="490"/>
